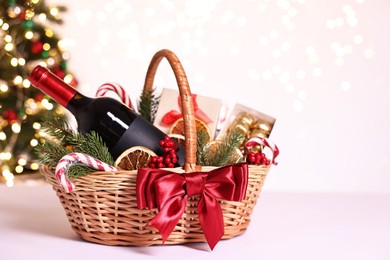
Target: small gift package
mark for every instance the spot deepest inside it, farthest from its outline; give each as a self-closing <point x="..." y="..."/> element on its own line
<point x="169" y="116"/>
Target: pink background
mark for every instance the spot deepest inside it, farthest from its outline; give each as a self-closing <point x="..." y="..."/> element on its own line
<point x="320" y="67"/>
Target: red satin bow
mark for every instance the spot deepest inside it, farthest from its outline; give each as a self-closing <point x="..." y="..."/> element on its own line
<point x="169" y="191"/>
<point x="173" y="115"/>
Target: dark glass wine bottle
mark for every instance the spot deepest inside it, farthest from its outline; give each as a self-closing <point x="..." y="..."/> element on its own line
<point x="119" y="126"/>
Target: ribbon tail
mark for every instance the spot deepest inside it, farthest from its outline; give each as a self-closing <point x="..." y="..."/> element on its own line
<point x="211" y="219"/>
<point x="167" y="218"/>
<point x="202" y="116"/>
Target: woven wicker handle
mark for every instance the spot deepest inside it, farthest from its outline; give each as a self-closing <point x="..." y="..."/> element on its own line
<point x="186" y="100"/>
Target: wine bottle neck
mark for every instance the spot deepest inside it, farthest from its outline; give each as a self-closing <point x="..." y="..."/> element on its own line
<point x="77" y="102"/>
<point x="53" y="86"/>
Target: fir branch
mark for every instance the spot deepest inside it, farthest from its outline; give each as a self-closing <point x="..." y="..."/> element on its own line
<point x="79" y="170"/>
<point x="63" y="140"/>
<point x="227" y="151"/>
<point x="92" y="144"/>
<point x="148" y="103"/>
<point x="50" y="152"/>
<point x="223" y="153"/>
<point x="202" y="140"/>
<point x="58" y="128"/>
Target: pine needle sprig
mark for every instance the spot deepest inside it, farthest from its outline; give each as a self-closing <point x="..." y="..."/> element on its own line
<point x="50" y="152"/>
<point x="148" y="104"/>
<point x="226" y="152"/>
<point x="92" y="144"/>
<point x="223" y="153"/>
<point x="63" y="140"/>
<point x="79" y="170"/>
<point x="57" y="128"/>
<point x="53" y="147"/>
<point x="201" y="151"/>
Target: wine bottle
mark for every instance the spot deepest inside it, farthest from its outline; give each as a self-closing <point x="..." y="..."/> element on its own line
<point x="119" y="126"/>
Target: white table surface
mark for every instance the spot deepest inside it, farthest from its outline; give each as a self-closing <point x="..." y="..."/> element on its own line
<point x="284" y="226"/>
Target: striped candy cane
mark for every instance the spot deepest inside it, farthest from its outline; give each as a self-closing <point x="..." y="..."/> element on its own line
<point x="258" y="140"/>
<point x="77" y="158"/>
<point x="116" y="88"/>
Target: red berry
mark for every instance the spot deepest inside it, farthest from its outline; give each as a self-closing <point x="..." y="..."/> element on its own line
<point x="162" y="143"/>
<point x="171" y="165"/>
<point x="160" y="165"/>
<point x="263" y="160"/>
<point x="167" y="138"/>
<point x="154" y="159"/>
<point x="251" y="158"/>
<point x="167" y="160"/>
<point x="160" y="159"/>
<point x="174" y="160"/>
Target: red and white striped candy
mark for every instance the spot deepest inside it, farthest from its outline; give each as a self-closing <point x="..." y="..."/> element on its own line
<point x="258" y="140"/>
<point x="116" y="88"/>
<point x="77" y="158"/>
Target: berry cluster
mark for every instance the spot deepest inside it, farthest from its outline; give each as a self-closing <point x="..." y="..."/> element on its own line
<point x="169" y="158"/>
<point x="257" y="158"/>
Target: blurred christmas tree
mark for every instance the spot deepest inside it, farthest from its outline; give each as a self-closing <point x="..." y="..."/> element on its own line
<point x="26" y="41"/>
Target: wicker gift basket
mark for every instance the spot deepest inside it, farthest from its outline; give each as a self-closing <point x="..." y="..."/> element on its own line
<point x="103" y="206"/>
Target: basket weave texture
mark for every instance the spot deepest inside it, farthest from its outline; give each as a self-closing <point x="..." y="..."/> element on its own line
<point x="103" y="207"/>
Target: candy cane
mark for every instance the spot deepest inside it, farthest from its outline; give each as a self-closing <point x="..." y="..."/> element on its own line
<point x="266" y="142"/>
<point x="114" y="87"/>
<point x="77" y="158"/>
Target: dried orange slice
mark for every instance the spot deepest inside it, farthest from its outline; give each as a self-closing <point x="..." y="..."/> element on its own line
<point x="180" y="139"/>
<point x="178" y="127"/>
<point x="134" y="158"/>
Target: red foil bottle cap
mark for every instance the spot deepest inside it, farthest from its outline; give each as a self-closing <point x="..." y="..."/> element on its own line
<point x="50" y="84"/>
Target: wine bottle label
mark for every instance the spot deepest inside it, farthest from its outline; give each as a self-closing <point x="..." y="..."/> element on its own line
<point x="143" y="133"/>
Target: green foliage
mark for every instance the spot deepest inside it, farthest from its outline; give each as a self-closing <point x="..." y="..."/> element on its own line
<point x="57" y="128"/>
<point x="148" y="104"/>
<point x="50" y="152"/>
<point x="92" y="144"/>
<point x="63" y="140"/>
<point x="224" y="153"/>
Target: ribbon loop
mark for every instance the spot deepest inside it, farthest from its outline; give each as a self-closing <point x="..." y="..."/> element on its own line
<point x="169" y="191"/>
